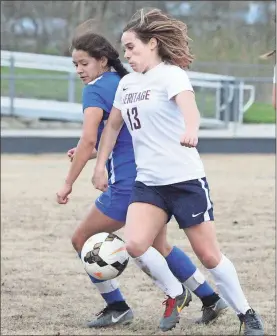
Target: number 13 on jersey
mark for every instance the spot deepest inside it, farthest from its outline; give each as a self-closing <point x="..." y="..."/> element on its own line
<point x="133" y="118"/>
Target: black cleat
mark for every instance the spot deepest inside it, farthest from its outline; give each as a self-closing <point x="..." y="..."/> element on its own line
<point x="252" y="323"/>
<point x="211" y="313"/>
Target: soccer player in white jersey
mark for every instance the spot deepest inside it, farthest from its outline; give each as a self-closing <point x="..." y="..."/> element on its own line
<point x="94" y="57"/>
<point x="157" y="103"/>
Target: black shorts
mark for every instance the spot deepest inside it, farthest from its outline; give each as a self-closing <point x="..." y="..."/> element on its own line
<point x="189" y="202"/>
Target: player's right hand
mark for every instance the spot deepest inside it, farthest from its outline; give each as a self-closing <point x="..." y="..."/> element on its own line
<point x="71" y="153"/>
<point x="100" y="179"/>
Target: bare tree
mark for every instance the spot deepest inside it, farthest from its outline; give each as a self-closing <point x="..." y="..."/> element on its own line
<point x="218" y="28"/>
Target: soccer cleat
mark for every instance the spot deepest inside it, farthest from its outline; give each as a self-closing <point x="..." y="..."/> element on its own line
<point x="173" y="307"/>
<point x="111" y="315"/>
<point x="211" y="313"/>
<point x="252" y="323"/>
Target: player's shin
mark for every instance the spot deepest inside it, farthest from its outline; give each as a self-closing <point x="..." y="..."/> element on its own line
<point x="108" y="289"/>
<point x="154" y="265"/>
<point x="226" y="280"/>
<point x="186" y="272"/>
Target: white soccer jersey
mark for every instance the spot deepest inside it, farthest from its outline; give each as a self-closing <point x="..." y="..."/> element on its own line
<point x="156" y="125"/>
<point x="274" y="75"/>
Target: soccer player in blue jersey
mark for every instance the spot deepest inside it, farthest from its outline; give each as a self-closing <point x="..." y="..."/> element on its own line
<point x="94" y="57"/>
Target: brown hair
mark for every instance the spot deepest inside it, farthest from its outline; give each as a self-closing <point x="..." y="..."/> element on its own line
<point x="268" y="54"/>
<point x="273" y="52"/>
<point x="170" y="33"/>
<point x="97" y="47"/>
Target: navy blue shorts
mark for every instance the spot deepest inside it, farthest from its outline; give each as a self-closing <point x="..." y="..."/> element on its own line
<point x="114" y="203"/>
<point x="189" y="202"/>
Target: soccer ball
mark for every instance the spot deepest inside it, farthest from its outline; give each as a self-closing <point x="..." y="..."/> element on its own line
<point x="104" y="256"/>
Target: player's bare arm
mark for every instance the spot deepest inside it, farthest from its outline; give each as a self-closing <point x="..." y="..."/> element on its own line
<point x="86" y="144"/>
<point x="106" y="145"/>
<point x="185" y="100"/>
<point x="92" y="119"/>
<point x="108" y="138"/>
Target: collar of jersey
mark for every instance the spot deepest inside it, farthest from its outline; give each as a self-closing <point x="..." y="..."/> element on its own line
<point x="96" y="79"/>
<point x="153" y="69"/>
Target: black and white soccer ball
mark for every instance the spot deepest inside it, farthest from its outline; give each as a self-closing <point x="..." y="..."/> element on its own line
<point x="104" y="256"/>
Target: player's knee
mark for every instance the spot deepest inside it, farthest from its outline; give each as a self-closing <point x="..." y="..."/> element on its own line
<point x="164" y="248"/>
<point x="77" y="242"/>
<point x="210" y="260"/>
<point x="136" y="248"/>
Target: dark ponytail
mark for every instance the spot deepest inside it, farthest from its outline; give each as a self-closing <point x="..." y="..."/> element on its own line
<point x="118" y="67"/>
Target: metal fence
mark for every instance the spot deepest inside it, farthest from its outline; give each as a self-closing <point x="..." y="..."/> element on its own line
<point x="221" y="98"/>
<point x="259" y="75"/>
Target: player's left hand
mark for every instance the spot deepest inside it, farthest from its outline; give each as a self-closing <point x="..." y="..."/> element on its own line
<point x="100" y="180"/>
<point x="62" y="195"/>
<point x="189" y="139"/>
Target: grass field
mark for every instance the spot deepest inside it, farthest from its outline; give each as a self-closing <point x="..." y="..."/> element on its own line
<point x="44" y="89"/>
<point x="260" y="113"/>
<point x="40" y="88"/>
<point x="45" y="290"/>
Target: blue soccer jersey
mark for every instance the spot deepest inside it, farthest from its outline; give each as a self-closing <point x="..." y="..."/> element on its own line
<point x="121" y="164"/>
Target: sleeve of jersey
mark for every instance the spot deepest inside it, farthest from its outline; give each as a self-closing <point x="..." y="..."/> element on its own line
<point x="117" y="97"/>
<point x="177" y="81"/>
<point x="92" y="97"/>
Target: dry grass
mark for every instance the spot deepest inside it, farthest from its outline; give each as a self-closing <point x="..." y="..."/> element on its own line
<point x="44" y="288"/>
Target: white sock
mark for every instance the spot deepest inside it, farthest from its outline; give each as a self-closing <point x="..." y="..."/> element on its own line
<point x="154" y="265"/>
<point x="107" y="286"/>
<point x="227" y="282"/>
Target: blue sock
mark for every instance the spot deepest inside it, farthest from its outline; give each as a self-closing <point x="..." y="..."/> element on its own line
<point x="104" y="286"/>
<point x="183" y="268"/>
